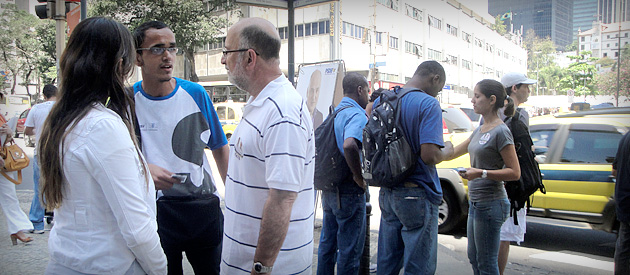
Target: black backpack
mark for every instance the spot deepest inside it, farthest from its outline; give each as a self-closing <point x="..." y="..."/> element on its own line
<point x="387" y="157"/>
<point x="331" y="168"/>
<point x="519" y="191"/>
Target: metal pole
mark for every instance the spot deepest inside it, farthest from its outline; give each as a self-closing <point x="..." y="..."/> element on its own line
<point x="83" y="9"/>
<point x="618" y="64"/>
<point x="291" y="42"/>
<point x="60" y="19"/>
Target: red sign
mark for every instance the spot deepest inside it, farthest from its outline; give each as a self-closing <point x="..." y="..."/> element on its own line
<point x="72" y="18"/>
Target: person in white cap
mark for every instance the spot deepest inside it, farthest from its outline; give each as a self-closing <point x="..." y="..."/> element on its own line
<point x="517" y="87"/>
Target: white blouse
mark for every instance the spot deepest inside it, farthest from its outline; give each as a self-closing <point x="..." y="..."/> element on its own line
<point x="107" y="218"/>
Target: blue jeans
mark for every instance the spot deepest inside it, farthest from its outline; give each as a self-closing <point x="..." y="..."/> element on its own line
<point x="622" y="249"/>
<point x="408" y="232"/>
<point x="343" y="233"/>
<point x="36" y="214"/>
<point x="484" y="227"/>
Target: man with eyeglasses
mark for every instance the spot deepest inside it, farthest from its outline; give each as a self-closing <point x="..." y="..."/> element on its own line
<point x="269" y="198"/>
<point x="177" y="121"/>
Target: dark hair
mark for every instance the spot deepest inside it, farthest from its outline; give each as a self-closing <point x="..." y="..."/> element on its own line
<point x="139" y="32"/>
<point x="254" y="37"/>
<point x="352" y="81"/>
<point x="98" y="58"/>
<point x="508" y="90"/>
<point x="376" y="94"/>
<point x="49" y="91"/>
<point x="430" y="68"/>
<point x="491" y="87"/>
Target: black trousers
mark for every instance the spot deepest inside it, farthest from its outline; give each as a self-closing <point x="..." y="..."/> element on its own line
<point x="194" y="226"/>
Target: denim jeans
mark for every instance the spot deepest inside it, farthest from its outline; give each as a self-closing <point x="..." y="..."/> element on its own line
<point x="622" y="249"/>
<point x="484" y="227"/>
<point x="408" y="232"/>
<point x="36" y="214"/>
<point x="343" y="233"/>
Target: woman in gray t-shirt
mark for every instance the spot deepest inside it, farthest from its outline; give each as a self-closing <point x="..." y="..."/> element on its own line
<point x="492" y="160"/>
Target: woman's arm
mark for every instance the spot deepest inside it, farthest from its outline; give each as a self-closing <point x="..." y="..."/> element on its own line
<point x="460" y="150"/>
<point x="512" y="170"/>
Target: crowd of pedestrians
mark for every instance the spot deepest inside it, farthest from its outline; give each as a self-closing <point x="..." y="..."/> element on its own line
<point x="132" y="190"/>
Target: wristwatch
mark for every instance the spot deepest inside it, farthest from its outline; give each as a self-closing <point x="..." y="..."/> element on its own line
<point x="260" y="268"/>
<point x="484" y="174"/>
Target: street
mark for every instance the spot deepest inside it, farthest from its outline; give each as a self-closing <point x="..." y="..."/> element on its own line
<point x="550" y="247"/>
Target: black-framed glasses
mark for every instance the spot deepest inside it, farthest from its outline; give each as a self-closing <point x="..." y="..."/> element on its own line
<point x="225" y="52"/>
<point x="160" y="50"/>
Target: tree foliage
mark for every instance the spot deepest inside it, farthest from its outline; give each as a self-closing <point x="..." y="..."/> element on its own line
<point x="193" y="21"/>
<point x="19" y="49"/>
<point x="580" y="75"/>
<point x="607" y="82"/>
<point x="499" y="25"/>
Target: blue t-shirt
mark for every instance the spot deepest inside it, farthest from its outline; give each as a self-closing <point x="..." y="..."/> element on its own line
<point x="421" y="120"/>
<point x="349" y="123"/>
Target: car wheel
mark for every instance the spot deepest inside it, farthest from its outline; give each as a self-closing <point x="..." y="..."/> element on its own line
<point x="448" y="212"/>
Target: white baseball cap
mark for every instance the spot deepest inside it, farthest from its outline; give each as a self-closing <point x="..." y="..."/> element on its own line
<point x="511" y="79"/>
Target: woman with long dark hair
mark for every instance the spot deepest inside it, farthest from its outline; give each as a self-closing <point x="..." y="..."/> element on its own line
<point x="492" y="160"/>
<point x="92" y="172"/>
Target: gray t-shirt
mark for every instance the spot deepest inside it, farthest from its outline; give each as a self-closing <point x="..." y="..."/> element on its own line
<point x="485" y="153"/>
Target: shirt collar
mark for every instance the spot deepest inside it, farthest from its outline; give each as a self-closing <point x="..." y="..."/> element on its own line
<point x="268" y="91"/>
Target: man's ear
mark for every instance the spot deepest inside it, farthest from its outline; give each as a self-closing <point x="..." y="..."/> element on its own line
<point x="139" y="61"/>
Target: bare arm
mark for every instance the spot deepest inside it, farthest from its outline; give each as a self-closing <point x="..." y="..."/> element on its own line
<point x="29" y="131"/>
<point x="221" y="157"/>
<point x="460" y="149"/>
<point x="351" y="153"/>
<point x="512" y="170"/>
<point x="274" y="225"/>
<point x="162" y="177"/>
<point x="432" y="154"/>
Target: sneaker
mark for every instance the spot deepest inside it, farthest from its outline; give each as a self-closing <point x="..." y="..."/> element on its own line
<point x="36" y="231"/>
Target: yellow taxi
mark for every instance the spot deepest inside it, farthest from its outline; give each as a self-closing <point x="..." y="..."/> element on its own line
<point x="575" y="152"/>
<point x="230" y="114"/>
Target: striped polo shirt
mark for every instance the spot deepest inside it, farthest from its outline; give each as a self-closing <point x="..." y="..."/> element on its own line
<point x="272" y="147"/>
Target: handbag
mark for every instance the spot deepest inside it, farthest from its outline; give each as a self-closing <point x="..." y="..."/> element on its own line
<point x="14" y="160"/>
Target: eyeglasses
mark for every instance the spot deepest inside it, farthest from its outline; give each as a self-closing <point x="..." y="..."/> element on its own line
<point x="159" y="50"/>
<point x="225" y="52"/>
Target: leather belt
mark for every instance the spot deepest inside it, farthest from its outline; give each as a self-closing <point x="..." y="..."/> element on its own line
<point x="408" y="184"/>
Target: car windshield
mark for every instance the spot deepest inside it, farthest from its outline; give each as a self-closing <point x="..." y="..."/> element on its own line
<point x="471" y="114"/>
<point x="456" y="120"/>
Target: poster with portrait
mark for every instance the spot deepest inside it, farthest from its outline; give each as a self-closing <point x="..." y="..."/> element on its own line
<point x="320" y="85"/>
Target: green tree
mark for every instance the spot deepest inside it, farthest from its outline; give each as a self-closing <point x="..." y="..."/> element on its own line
<point x="539" y="54"/>
<point x="499" y="25"/>
<point x="19" y="49"/>
<point x="46" y="64"/>
<point x="580" y="75"/>
<point x="194" y="22"/>
<point x="607" y="82"/>
<point x="550" y="77"/>
<point x="571" y="47"/>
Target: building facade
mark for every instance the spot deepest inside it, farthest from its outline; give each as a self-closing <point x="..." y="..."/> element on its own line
<point x="584" y="14"/>
<point x="393" y="36"/>
<point x="548" y="18"/>
<point x="613" y="11"/>
<point x="603" y="39"/>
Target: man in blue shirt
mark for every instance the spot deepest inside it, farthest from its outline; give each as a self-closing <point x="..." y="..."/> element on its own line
<point x="409" y="211"/>
<point x="343" y="230"/>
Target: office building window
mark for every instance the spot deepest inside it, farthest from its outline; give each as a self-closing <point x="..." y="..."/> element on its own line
<point x="413" y="48"/>
<point x="434" y="55"/>
<point x="582" y="38"/>
<point x="451" y="59"/>
<point x="308" y="29"/>
<point x="581" y="47"/>
<point x="450" y="29"/>
<point x="466" y="36"/>
<point x="413" y="12"/>
<point x="379" y="38"/>
<point x="434" y="22"/>
<point x="478" y="43"/>
<point x="392" y="4"/>
<point x="393" y="42"/>
<point x="466" y="64"/>
<point x="353" y="30"/>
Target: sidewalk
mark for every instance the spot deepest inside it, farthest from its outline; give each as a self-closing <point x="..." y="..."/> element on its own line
<point x="32" y="258"/>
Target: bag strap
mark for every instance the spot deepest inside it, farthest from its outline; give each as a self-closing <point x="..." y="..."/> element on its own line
<point x="18" y="181"/>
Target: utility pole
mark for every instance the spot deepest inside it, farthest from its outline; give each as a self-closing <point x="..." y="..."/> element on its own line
<point x="60" y="19"/>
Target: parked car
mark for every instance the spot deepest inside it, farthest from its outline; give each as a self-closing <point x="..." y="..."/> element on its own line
<point x="575" y="152"/>
<point x="230" y="114"/>
<point x="29" y="140"/>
